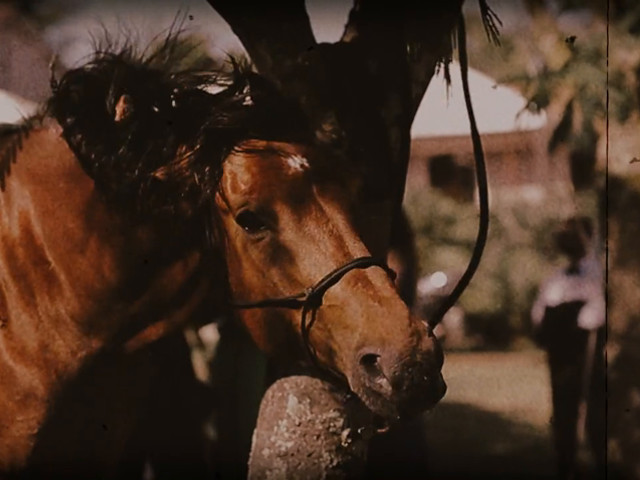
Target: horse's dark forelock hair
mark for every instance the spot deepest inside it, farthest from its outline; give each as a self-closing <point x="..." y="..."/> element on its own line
<point x="163" y="156"/>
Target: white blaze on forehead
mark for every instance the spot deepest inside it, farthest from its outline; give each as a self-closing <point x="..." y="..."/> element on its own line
<point x="297" y="162"/>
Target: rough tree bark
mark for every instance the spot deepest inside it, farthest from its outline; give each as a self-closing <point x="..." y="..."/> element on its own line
<point x="361" y="95"/>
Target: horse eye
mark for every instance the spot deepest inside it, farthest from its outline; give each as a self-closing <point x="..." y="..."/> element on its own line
<point x="250" y="222"/>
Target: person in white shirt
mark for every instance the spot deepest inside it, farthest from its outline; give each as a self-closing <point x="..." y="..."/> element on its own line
<point x="568" y="317"/>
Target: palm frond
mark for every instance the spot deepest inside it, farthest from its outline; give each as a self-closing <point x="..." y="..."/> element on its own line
<point x="491" y="22"/>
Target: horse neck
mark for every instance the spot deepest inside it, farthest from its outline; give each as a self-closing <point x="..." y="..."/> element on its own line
<point x="72" y="274"/>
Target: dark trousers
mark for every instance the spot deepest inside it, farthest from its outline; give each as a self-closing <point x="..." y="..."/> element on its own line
<point x="567" y="350"/>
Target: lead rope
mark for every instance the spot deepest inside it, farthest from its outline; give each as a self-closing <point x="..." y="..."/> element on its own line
<point x="481" y="178"/>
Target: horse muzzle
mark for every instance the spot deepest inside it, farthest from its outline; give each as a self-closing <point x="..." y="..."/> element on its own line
<point x="395" y="388"/>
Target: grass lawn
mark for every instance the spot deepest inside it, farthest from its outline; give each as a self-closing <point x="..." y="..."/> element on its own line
<point x="493" y="423"/>
<point x="494" y="420"/>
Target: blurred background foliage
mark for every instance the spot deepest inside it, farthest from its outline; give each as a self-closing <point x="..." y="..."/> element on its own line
<point x="566" y="58"/>
<point x="518" y="256"/>
<point x="577" y="59"/>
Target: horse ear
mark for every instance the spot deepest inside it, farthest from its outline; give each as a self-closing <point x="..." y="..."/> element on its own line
<point x="123" y="108"/>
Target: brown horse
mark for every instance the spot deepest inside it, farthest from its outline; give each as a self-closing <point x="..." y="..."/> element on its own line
<point x="139" y="201"/>
<point x="98" y="251"/>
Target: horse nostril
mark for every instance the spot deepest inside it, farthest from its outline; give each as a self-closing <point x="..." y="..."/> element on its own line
<point x="370" y="364"/>
<point x="374" y="373"/>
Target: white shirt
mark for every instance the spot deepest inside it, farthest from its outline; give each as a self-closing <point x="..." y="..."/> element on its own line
<point x="584" y="285"/>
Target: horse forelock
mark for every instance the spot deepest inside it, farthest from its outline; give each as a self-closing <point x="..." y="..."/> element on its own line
<point x="154" y="137"/>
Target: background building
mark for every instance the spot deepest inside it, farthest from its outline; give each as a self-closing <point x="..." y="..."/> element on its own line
<point x="514" y="141"/>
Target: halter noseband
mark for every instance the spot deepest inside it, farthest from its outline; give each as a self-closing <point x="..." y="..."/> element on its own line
<point x="310" y="299"/>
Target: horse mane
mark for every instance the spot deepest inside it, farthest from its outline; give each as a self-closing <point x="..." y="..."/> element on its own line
<point x="153" y="135"/>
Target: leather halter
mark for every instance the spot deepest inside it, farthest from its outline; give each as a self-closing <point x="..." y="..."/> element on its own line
<point x="310" y="299"/>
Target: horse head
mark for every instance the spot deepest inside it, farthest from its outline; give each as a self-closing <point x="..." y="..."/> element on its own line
<point x="302" y="279"/>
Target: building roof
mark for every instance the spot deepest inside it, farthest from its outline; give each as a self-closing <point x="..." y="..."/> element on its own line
<point x="497" y="108"/>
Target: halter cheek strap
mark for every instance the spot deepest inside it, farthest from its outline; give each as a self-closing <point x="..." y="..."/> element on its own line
<point x="310" y="299"/>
